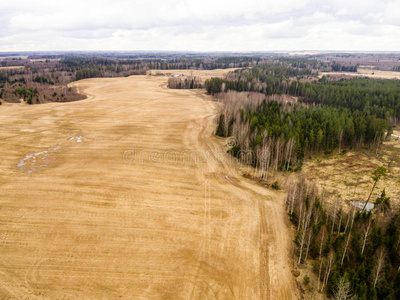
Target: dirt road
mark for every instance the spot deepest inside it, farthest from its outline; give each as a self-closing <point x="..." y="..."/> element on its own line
<point x="128" y="195"/>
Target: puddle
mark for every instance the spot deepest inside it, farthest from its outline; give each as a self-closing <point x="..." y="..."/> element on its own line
<point x="33" y="162"/>
<point x="78" y="139"/>
<point x="360" y="205"/>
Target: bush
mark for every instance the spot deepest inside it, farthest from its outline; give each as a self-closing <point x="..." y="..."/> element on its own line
<point x="275" y="185"/>
<point x="306" y="280"/>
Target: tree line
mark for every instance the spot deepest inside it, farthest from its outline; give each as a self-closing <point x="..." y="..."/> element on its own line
<point x="378" y="97"/>
<point x="190" y="82"/>
<point x="260" y="123"/>
<point x="319" y="116"/>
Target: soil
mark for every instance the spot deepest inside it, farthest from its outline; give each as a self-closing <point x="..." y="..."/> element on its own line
<point x="128" y="194"/>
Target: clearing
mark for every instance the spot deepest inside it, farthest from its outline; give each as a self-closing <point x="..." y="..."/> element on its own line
<point x="11" y="67"/>
<point x="365" y="71"/>
<point x="127" y="194"/>
<point x="348" y="176"/>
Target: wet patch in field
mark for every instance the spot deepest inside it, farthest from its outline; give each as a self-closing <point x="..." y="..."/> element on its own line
<point x="33" y="162"/>
<point x="78" y="139"/>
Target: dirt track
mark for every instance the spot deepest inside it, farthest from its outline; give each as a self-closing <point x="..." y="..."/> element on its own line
<point x="128" y="195"/>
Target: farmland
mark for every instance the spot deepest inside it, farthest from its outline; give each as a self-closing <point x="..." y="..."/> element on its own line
<point x="99" y="201"/>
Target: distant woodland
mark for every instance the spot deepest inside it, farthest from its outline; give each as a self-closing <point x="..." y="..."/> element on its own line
<point x="43" y="78"/>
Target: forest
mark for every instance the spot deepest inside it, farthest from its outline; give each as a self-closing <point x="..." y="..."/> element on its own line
<point x="320" y="116"/>
<point x="355" y="254"/>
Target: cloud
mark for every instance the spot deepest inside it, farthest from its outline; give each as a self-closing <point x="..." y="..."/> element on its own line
<point x="200" y="25"/>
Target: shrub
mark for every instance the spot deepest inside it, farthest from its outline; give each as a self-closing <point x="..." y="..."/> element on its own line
<point x="275" y="185"/>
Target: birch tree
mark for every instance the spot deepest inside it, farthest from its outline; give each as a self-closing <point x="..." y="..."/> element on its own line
<point x="322" y="242"/>
<point x="378" y="266"/>
<point x="328" y="270"/>
<point x="351" y="218"/>
<point x="343" y="290"/>
<point x="334" y="214"/>
<point x="345" y="248"/>
<point x="365" y="234"/>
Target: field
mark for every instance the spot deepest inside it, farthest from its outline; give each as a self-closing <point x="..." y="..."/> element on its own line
<point x="204" y="75"/>
<point x="11" y="67"/>
<point x="127" y="194"/>
<point x="365" y="71"/>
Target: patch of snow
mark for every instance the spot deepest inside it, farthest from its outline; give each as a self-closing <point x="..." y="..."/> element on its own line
<point x="78" y="139"/>
<point x="360" y="204"/>
<point x="34" y="162"/>
<point x="21" y="163"/>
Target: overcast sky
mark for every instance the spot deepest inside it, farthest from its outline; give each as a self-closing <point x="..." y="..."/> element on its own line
<point x="203" y="25"/>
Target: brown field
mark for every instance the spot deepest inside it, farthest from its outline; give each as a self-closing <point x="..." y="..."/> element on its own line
<point x="11" y="67"/>
<point x="349" y="176"/>
<point x="365" y="72"/>
<point x="13" y="57"/>
<point x="100" y="200"/>
<point x="206" y="74"/>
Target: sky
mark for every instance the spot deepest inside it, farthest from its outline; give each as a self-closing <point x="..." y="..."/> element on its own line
<point x="206" y="25"/>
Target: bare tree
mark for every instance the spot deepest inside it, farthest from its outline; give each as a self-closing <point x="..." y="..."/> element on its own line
<point x="350" y="219"/>
<point x="340" y="219"/>
<point x="379" y="264"/>
<point x="310" y="235"/>
<point x="322" y="241"/>
<point x="290" y="198"/>
<point x="366" y="232"/>
<point x="345" y="248"/>
<point x="278" y="145"/>
<point x="343" y="290"/>
<point x="289" y="150"/>
<point x="328" y="270"/>
<point x="301" y="208"/>
<point x="334" y="214"/>
<point x="305" y="225"/>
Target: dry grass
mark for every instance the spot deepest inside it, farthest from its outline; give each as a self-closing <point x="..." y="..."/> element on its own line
<point x="85" y="224"/>
<point x="349" y="175"/>
<point x="365" y="72"/>
<point x="11" y="67"/>
<point x="204" y="75"/>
